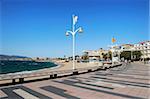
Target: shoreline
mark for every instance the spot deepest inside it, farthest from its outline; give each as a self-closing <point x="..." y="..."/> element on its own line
<point x="60" y="65"/>
<point x="38" y="70"/>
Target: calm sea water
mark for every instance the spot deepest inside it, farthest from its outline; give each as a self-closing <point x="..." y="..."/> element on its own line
<point x="18" y="66"/>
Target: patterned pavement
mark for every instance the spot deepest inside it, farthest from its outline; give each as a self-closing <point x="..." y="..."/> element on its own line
<point x="130" y="81"/>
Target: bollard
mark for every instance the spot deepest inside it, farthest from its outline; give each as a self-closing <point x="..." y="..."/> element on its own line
<point x="55" y="75"/>
<point x="75" y="72"/>
<point x="51" y="76"/>
<point x="89" y="70"/>
<point x="21" y="80"/>
<point x="13" y="81"/>
<point x="104" y="68"/>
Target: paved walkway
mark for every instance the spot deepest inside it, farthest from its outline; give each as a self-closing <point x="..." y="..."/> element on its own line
<point x="127" y="81"/>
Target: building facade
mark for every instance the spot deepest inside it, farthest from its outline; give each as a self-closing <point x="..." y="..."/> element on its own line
<point x="96" y="54"/>
<point x="144" y="47"/>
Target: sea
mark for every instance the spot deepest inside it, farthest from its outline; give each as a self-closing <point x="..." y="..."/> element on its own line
<point x="20" y="66"/>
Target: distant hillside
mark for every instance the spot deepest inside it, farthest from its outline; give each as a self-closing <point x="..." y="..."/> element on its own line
<point x="13" y="57"/>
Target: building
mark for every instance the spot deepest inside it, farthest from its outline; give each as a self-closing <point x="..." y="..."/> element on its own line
<point x="96" y="54"/>
<point x="127" y="46"/>
<point x="92" y="54"/>
<point x="144" y="47"/>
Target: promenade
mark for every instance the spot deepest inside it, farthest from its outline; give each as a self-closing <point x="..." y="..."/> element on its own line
<point x="130" y="81"/>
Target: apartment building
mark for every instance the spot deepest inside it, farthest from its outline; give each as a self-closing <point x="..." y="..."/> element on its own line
<point x="144" y="47"/>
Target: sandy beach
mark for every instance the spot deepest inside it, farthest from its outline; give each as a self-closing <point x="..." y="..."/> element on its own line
<point x="68" y="65"/>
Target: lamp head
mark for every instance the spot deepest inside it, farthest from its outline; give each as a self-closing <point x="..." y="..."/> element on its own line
<point x="80" y="30"/>
<point x="67" y="34"/>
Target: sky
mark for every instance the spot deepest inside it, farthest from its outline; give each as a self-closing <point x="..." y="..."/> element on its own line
<point x="36" y="28"/>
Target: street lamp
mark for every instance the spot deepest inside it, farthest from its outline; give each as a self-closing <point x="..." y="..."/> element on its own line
<point x="73" y="33"/>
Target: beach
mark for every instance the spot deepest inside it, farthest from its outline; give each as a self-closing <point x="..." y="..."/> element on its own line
<point x="68" y="65"/>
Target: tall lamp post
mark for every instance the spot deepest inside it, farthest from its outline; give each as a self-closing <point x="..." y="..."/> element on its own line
<point x="73" y="33"/>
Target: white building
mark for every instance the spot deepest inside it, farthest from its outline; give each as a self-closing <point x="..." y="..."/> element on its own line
<point x="144" y="47"/>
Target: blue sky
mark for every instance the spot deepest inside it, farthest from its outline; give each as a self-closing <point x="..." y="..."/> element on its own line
<point x="37" y="27"/>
